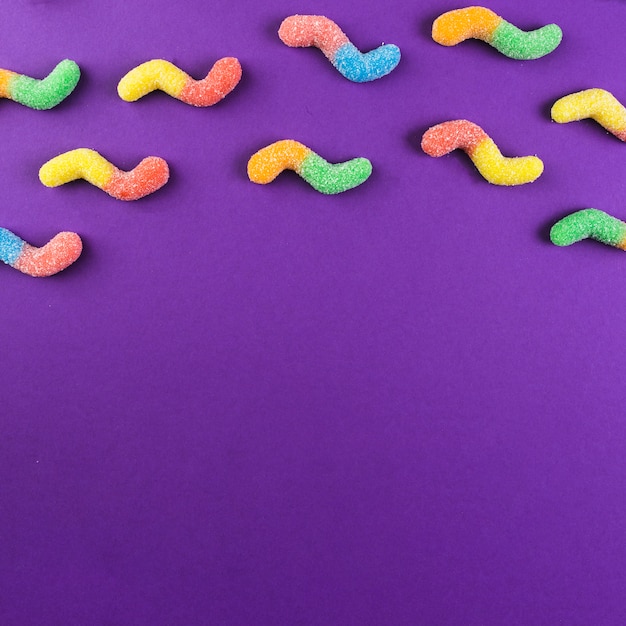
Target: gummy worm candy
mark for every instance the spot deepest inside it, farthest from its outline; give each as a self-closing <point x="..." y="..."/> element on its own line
<point x="456" y="26"/>
<point x="497" y="169"/>
<point x="589" y="223"/>
<point x="159" y="74"/>
<point x="325" y="177"/>
<point x="597" y="104"/>
<point x="62" y="250"/>
<point x="151" y="174"/>
<point x="316" y="30"/>
<point x="40" y="94"/>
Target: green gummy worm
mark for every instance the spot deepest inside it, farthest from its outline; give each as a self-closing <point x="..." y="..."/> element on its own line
<point x="49" y="91"/>
<point x="522" y="45"/>
<point x="332" y="178"/>
<point x="588" y="223"/>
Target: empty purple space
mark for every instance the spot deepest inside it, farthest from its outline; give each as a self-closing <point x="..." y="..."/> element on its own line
<point x="258" y="405"/>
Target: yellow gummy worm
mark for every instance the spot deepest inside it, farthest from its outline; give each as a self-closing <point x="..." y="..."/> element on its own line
<point x="597" y="104"/>
<point x="79" y="163"/>
<point x="501" y="170"/>
<point x="151" y="75"/>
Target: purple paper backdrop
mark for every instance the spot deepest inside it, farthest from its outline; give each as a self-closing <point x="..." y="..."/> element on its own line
<point x="252" y="405"/>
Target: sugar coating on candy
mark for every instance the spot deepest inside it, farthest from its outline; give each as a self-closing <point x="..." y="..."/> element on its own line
<point x="47" y="92"/>
<point x="597" y="104"/>
<point x="165" y="76"/>
<point x="441" y="139"/>
<point x="266" y="164"/>
<point x="60" y="252"/>
<point x="6" y="77"/>
<point x="361" y="68"/>
<point x="79" y="163"/>
<point x="589" y="224"/>
<point x="323" y="33"/>
<point x="526" y="46"/>
<point x="331" y="178"/>
<point x="298" y="31"/>
<point x="478" y="22"/>
<point x="221" y="80"/>
<point x="10" y="246"/>
<point x="501" y="170"/>
<point x="456" y="26"/>
<point x="151" y="75"/>
<point x="151" y="173"/>
<point x="328" y="178"/>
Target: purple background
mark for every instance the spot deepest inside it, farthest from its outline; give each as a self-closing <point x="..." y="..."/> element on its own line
<point x="252" y="405"/>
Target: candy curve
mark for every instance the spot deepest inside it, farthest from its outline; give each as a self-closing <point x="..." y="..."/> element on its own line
<point x="299" y="31"/>
<point x="597" y="104"/>
<point x="589" y="224"/>
<point x="40" y="94"/>
<point x="328" y="178"/>
<point x="60" y="252"/>
<point x="481" y="149"/>
<point x="453" y="27"/>
<point x="159" y="74"/>
<point x="478" y="22"/>
<point x="148" y="176"/>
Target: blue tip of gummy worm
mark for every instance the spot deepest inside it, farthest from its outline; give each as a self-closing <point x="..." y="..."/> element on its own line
<point x="361" y="67"/>
<point x="10" y="246"/>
